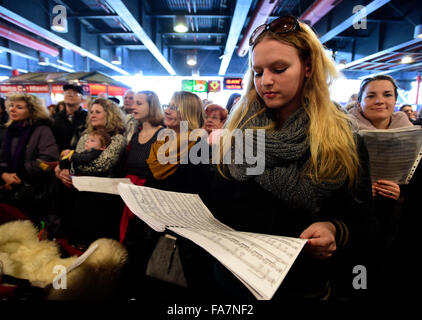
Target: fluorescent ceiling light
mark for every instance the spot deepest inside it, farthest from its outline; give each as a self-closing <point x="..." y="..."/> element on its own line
<point x="406" y="59"/>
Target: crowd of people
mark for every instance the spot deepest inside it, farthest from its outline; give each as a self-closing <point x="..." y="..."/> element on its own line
<point x="316" y="182"/>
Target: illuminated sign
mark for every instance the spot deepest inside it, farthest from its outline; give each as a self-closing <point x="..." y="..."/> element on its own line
<point x="37" y="88"/>
<point x="195" y="85"/>
<point x="233" y="83"/>
<point x="214" y="86"/>
<point x="6" y="88"/>
<point x="96" y="88"/>
<point x="116" y="91"/>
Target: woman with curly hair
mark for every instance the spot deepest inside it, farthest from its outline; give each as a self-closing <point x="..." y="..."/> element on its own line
<point x="28" y="143"/>
<point x="93" y="214"/>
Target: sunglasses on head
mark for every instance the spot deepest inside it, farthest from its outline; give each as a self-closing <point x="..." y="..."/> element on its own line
<point x="284" y="24"/>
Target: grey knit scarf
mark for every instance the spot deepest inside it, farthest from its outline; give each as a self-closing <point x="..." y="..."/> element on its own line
<point x="286" y="155"/>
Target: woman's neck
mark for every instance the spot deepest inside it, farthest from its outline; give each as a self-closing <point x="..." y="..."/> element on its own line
<point x="382" y="124"/>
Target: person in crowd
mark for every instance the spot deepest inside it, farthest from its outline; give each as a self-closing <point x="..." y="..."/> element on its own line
<point x="28" y="142"/>
<point x="147" y="111"/>
<point x="51" y="110"/>
<point x="4" y="117"/>
<point x="314" y="165"/>
<point x="137" y="237"/>
<point x="95" y="215"/>
<point x="182" y="116"/>
<point x="128" y="118"/>
<point x="70" y="123"/>
<point x="408" y="110"/>
<point x="115" y="100"/>
<point x="233" y="99"/>
<point x="96" y="143"/>
<point x="375" y="110"/>
<point x="215" y="117"/>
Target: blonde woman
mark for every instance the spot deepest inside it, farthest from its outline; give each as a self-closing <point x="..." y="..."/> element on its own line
<point x="170" y="153"/>
<point x="28" y="142"/>
<point x="103" y="114"/>
<point x="315" y="184"/>
<point x="95" y="215"/>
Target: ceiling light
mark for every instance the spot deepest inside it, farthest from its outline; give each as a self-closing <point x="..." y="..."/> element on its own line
<point x="43" y="61"/>
<point x="191" y="60"/>
<point x="59" y="28"/>
<point x="418" y="31"/>
<point x="406" y="59"/>
<point x="116" y="60"/>
<point x="180" y="24"/>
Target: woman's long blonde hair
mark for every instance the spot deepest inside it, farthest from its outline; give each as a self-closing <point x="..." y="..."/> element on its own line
<point x="332" y="144"/>
<point x="190" y="108"/>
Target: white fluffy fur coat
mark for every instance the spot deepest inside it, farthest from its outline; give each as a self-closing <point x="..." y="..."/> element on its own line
<point x="24" y="256"/>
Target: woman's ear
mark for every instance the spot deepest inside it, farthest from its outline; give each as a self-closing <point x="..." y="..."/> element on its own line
<point x="308" y="67"/>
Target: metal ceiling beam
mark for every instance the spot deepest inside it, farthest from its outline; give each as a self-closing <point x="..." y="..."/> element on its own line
<point x="26" y="56"/>
<point x="382" y="53"/>
<point x="173" y="14"/>
<point x="112" y="32"/>
<point x="119" y="7"/>
<point x="92" y="16"/>
<point x="371" y="7"/>
<point x="202" y="33"/>
<point x="404" y="67"/>
<point x="239" y="17"/>
<point x="50" y="36"/>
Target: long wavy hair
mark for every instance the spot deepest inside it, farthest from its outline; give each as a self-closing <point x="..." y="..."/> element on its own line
<point x="114" y="122"/>
<point x="190" y="108"/>
<point x="332" y="143"/>
<point x="37" y="110"/>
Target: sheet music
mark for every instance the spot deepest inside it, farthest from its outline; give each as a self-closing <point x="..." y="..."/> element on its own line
<point x="392" y="152"/>
<point x="98" y="184"/>
<point x="260" y="261"/>
<point x="161" y="209"/>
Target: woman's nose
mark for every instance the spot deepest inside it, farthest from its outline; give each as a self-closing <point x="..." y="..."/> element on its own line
<point x="267" y="79"/>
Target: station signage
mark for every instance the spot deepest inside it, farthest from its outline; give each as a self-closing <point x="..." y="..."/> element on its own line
<point x="232" y="83"/>
<point x="201" y="85"/>
<point x="96" y="88"/>
<point x="8" y="88"/>
<point x="37" y="88"/>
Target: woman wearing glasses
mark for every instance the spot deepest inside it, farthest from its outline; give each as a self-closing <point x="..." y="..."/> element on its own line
<point x="169" y="158"/>
<point x="315" y="184"/>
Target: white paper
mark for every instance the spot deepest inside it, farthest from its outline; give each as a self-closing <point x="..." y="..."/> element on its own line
<point x="98" y="184"/>
<point x="392" y="152"/>
<point x="259" y="261"/>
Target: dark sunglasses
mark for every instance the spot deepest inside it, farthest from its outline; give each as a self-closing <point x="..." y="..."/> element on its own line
<point x="280" y="25"/>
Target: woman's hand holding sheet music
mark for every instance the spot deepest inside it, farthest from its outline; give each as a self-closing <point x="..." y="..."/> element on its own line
<point x="322" y="239"/>
<point x="386" y="189"/>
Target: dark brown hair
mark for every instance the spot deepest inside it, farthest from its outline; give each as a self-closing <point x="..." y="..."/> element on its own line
<point x="365" y="82"/>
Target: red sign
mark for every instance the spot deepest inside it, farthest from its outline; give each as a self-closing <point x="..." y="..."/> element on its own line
<point x="233" y="83"/>
<point x="57" y="88"/>
<point x="116" y="91"/>
<point x="96" y="88"/>
<point x="37" y="88"/>
<point x="7" y="88"/>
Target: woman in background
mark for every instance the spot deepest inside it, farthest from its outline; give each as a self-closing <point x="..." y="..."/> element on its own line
<point x="28" y="143"/>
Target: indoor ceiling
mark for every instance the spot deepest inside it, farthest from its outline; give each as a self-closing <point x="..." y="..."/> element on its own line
<point x="141" y="35"/>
